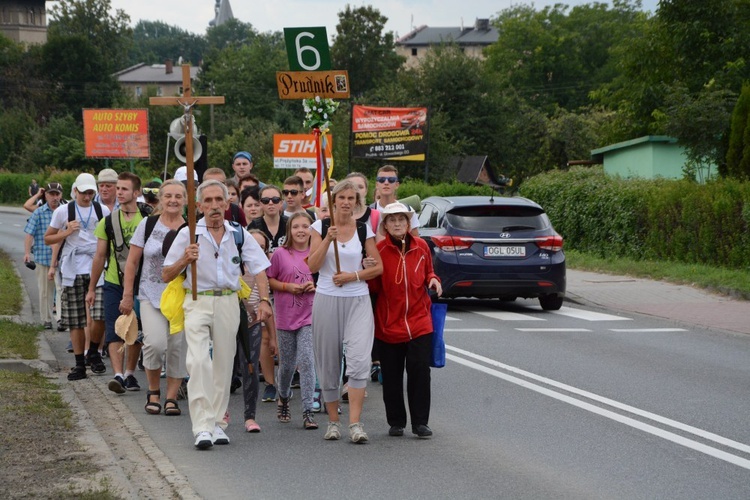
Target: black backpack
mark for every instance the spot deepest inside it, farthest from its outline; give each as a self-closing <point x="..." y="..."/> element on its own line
<point x="113" y="230"/>
<point x="72" y="217"/>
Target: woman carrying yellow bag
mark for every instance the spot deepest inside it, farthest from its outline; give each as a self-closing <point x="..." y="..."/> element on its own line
<point x="161" y="304"/>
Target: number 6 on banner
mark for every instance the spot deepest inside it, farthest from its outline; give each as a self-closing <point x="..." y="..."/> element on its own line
<point x="307" y="49"/>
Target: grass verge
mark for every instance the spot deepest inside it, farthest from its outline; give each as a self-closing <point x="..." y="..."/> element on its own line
<point x="18" y="341"/>
<point x="732" y="282"/>
<point x="10" y="284"/>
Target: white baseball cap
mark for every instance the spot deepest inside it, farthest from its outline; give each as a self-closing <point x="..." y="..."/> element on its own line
<point x="85" y="182"/>
<point x="181" y="174"/>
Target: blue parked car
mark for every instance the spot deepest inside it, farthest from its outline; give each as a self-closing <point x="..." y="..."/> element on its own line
<point x="494" y="247"/>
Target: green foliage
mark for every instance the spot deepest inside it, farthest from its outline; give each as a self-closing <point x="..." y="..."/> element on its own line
<point x="361" y="47"/>
<point x="643" y="219"/>
<point x="155" y="41"/>
<point x="454" y="188"/>
<point x="109" y="33"/>
<point x="738" y="153"/>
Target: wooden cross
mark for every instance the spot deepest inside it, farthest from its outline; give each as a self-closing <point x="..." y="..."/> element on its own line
<point x="188" y="102"/>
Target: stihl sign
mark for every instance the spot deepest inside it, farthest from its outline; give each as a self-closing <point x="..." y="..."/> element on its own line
<point x="297" y="150"/>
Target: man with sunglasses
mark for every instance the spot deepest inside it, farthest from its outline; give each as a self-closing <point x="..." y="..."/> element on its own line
<point x="294" y="196"/>
<point x="387" y="186"/>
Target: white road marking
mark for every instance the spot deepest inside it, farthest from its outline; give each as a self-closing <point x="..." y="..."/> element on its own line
<point x="469" y="330"/>
<point x="588" y="315"/>
<point x="646" y="330"/>
<point x="508" y="316"/>
<point x="451" y="318"/>
<point x="670" y="436"/>
<point x="552" y="330"/>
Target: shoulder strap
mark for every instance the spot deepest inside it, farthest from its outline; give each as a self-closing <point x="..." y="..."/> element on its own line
<point x="71" y="211"/>
<point x="98" y="210"/>
<point x="325" y="224"/>
<point x="362" y="233"/>
<point x="239" y="240"/>
<point x="374" y="220"/>
<point x="151" y="221"/>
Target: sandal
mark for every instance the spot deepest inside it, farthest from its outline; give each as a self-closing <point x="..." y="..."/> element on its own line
<point x="282" y="411"/>
<point x="308" y="422"/>
<point x="153" y="407"/>
<point x="173" y="410"/>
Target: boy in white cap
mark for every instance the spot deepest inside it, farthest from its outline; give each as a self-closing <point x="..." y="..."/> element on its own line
<point x="74" y="225"/>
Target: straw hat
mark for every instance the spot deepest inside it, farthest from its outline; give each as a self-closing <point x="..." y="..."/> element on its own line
<point x="126" y="327"/>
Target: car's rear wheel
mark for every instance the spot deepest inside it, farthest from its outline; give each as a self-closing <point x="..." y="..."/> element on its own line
<point x="551" y="302"/>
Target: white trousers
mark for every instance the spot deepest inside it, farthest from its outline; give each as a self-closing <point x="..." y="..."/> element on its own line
<point x="207" y="318"/>
<point x="46" y="293"/>
<point x="157" y="341"/>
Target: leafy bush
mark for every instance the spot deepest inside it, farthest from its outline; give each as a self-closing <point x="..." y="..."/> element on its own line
<point x="674" y="220"/>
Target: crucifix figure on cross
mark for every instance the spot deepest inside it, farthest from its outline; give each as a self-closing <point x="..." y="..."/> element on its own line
<point x="188" y="101"/>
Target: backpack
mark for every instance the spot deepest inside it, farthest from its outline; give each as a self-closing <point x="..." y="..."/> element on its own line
<point x="113" y="230"/>
<point x="72" y="217"/>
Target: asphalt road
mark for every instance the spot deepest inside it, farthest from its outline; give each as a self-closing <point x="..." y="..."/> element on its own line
<point x="584" y="403"/>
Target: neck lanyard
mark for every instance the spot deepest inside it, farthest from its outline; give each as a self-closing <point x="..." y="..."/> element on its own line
<point x="84" y="224"/>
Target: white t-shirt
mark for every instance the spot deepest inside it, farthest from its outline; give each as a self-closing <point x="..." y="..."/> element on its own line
<point x="80" y="247"/>
<point x="151" y="285"/>
<point x="350" y="258"/>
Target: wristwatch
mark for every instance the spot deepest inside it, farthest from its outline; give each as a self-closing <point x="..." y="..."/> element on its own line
<point x="266" y="299"/>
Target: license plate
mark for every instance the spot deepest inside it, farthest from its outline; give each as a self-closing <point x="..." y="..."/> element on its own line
<point x="504" y="251"/>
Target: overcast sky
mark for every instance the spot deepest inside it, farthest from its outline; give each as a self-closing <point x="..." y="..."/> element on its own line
<point x="275" y="15"/>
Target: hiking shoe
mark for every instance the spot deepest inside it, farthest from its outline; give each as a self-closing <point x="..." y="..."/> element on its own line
<point x="236" y="384"/>
<point x="204" y="440"/>
<point x="77" y="373"/>
<point x="61" y="328"/>
<point x="48" y="325"/>
<point x="396" y="431"/>
<point x="421" y="430"/>
<point x="375" y="372"/>
<point x="96" y="363"/>
<point x="70" y="347"/>
<point x="295" y="380"/>
<point x="219" y="436"/>
<point x="269" y="394"/>
<point x="182" y="392"/>
<point x="357" y="433"/>
<point x="131" y="383"/>
<point x="308" y="422"/>
<point x="317" y="404"/>
<point x="117" y="385"/>
<point x="333" y="432"/>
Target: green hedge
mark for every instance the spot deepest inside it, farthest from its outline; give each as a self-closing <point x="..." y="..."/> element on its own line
<point x="675" y="220"/>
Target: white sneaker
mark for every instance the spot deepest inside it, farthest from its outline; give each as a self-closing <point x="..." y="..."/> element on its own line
<point x="357" y="433"/>
<point x="204" y="440"/>
<point x="220" y="436"/>
<point x="333" y="432"/>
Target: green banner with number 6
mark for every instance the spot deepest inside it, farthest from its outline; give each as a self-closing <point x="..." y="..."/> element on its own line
<point x="307" y="49"/>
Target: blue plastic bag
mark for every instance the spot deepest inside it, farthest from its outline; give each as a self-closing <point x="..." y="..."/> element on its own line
<point x="438" y="311"/>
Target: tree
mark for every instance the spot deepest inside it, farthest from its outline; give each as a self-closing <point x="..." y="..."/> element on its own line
<point x="553" y="57"/>
<point x="738" y="154"/>
<point x="233" y="33"/>
<point x="111" y="35"/>
<point x="154" y="42"/>
<point x="361" y="48"/>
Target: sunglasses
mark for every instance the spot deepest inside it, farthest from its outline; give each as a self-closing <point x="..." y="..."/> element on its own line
<point x="382" y="180"/>
<point x="275" y="200"/>
<point x="150" y="190"/>
<point x="293" y="192"/>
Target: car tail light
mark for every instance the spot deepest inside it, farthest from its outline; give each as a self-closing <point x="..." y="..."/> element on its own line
<point x="452" y="243"/>
<point x="551" y="243"/>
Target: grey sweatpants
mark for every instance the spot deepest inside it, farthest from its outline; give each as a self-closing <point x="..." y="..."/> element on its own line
<point x="339" y="321"/>
<point x="296" y="351"/>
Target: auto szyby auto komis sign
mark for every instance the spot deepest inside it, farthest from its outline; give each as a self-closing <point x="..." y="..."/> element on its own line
<point x="399" y="134"/>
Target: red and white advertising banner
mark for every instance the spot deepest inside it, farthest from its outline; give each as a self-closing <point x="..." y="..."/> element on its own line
<point x="297" y="150"/>
<point x="116" y="133"/>
<point x="399" y="134"/>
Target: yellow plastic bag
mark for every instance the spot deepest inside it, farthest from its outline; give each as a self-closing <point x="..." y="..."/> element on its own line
<point x="245" y="290"/>
<point x="171" y="304"/>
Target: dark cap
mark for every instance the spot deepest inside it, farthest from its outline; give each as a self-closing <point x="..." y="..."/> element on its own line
<point x="54" y="187"/>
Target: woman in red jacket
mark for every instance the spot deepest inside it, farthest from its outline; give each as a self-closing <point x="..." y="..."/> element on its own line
<point x="403" y="324"/>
